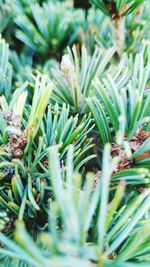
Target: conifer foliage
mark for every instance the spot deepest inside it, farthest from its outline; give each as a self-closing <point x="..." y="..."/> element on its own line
<point x="74" y="133"/>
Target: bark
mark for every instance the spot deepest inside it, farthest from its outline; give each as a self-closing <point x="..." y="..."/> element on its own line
<point x="118" y="30"/>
